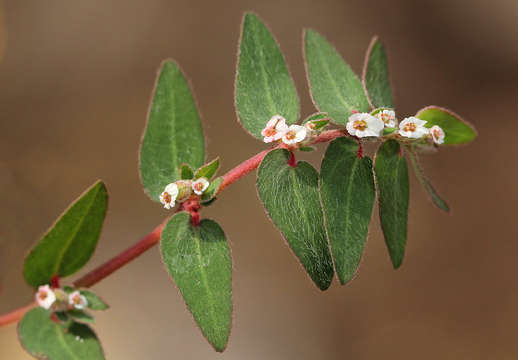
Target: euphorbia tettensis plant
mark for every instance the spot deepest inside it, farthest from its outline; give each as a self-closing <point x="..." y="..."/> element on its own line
<point x="333" y="207"/>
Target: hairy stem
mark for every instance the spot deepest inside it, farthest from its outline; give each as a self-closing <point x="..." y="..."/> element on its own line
<point x="153" y="238"/>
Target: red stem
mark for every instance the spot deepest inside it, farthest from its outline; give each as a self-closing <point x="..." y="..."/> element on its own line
<point x="153" y="238"/>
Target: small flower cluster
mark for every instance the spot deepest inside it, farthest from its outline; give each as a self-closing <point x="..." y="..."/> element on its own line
<point x="276" y="129"/>
<point x="57" y="298"/>
<point x="181" y="190"/>
<point x="372" y="125"/>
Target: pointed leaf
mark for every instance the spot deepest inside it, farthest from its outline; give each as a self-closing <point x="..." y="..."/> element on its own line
<point x="94" y="301"/>
<point x="212" y="190"/>
<point x="334" y="87"/>
<point x="347" y="193"/>
<point x="436" y="198"/>
<point x="376" y="76"/>
<point x="198" y="259"/>
<point x="264" y="86"/>
<point x="173" y="133"/>
<point x="70" y="242"/>
<point x="456" y="130"/>
<point x="44" y="339"/>
<point x="393" y="194"/>
<point x="208" y="170"/>
<point x="186" y="172"/>
<point x="290" y="196"/>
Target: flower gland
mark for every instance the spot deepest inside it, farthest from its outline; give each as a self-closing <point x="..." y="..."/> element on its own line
<point x="360" y="125"/>
<point x="388" y="117"/>
<point x="437" y="134"/>
<point x="45" y="297"/>
<point x="200" y="185"/>
<point x="77" y="300"/>
<point x="364" y="125"/>
<point x="275" y="129"/>
<point x="168" y="197"/>
<point x="412" y="127"/>
<point x="295" y="134"/>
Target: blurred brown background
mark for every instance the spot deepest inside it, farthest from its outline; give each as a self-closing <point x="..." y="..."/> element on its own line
<point x="75" y="80"/>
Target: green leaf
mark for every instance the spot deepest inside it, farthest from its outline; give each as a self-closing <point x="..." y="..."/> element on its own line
<point x="334" y="87"/>
<point x="94" y="301"/>
<point x="436" y="198"/>
<point x="393" y="194"/>
<point x="388" y="131"/>
<point x="208" y="170"/>
<point x="264" y="86"/>
<point x="45" y="339"/>
<point x="347" y="193"/>
<point x="320" y="120"/>
<point x="290" y="196"/>
<point x="80" y="316"/>
<point x="199" y="261"/>
<point x="456" y="130"/>
<point x="186" y="172"/>
<point x="70" y="242"/>
<point x="212" y="190"/>
<point x="173" y="133"/>
<point x="317" y="116"/>
<point x="376" y="77"/>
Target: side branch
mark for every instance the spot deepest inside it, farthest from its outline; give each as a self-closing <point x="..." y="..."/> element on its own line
<point x="153" y="238"/>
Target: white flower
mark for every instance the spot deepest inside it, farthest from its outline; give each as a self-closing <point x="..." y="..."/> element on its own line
<point x="295" y="134"/>
<point x="364" y="124"/>
<point x="45" y="297"/>
<point x="168" y="197"/>
<point x="437" y="134"/>
<point x="412" y="127"/>
<point x="388" y="117"/>
<point x="200" y="185"/>
<point x="275" y="129"/>
<point x="77" y="300"/>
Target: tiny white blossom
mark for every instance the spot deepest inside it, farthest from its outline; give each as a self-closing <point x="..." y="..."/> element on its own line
<point x="77" y="300"/>
<point x="412" y="127"/>
<point x="275" y="129"/>
<point x="168" y="197"/>
<point x="388" y="117"/>
<point x="364" y="124"/>
<point x="295" y="134"/>
<point x="200" y="185"/>
<point x="437" y="134"/>
<point x="45" y="297"/>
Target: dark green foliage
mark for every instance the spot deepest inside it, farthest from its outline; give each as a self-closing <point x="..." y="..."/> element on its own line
<point x="290" y="196"/>
<point x="347" y="193"/>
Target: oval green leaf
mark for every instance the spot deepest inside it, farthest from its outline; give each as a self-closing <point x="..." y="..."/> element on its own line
<point x="94" y="301"/>
<point x="173" y="133"/>
<point x="347" y="192"/>
<point x="393" y="195"/>
<point x="456" y="129"/>
<point x="264" y="86"/>
<point x="208" y="170"/>
<point x="45" y="339"/>
<point x="212" y="189"/>
<point x="198" y="259"/>
<point x="70" y="242"/>
<point x="376" y="76"/>
<point x="334" y="87"/>
<point x="290" y="196"/>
